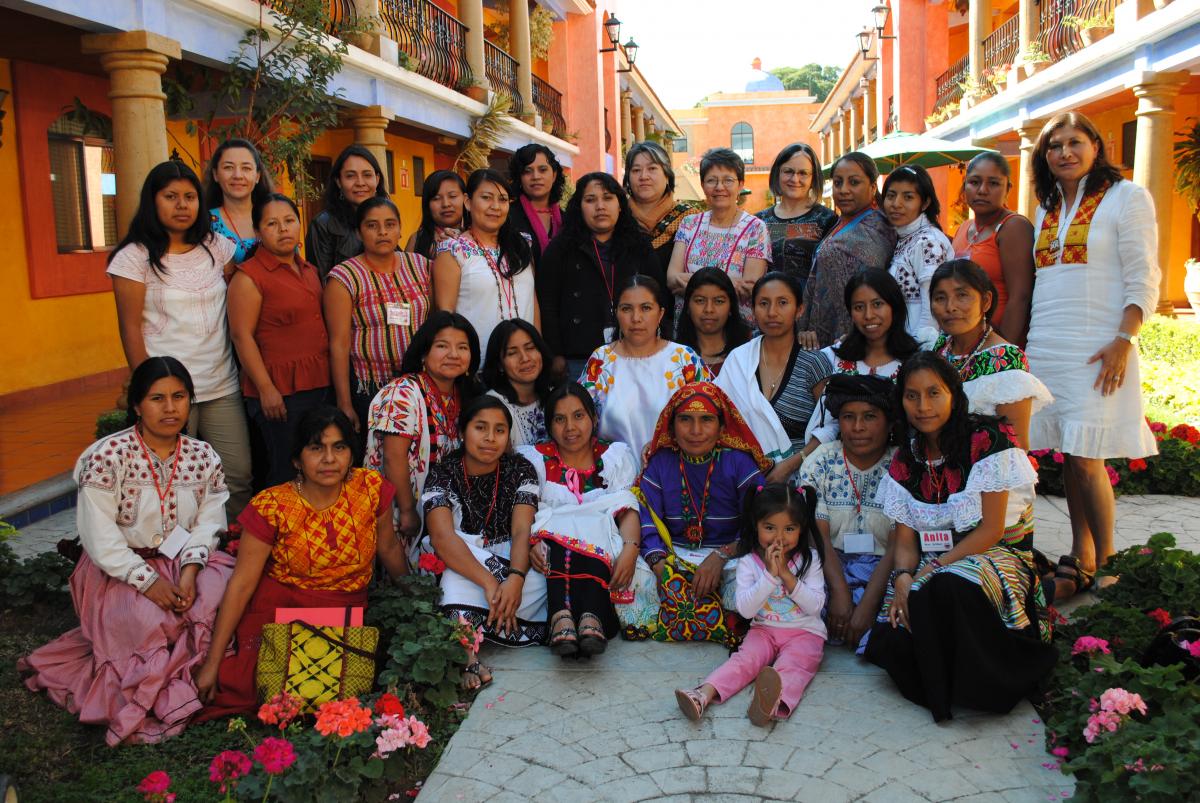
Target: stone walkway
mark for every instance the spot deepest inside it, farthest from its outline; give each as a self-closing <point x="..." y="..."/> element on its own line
<point x="609" y="729"/>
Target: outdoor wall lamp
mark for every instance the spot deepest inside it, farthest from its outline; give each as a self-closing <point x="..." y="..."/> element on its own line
<point x="880" y="13"/>
<point x="864" y="44"/>
<point x="631" y="51"/>
<point x="612" y="27"/>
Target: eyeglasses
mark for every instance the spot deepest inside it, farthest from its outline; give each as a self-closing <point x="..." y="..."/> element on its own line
<point x="724" y="183"/>
<point x="788" y="172"/>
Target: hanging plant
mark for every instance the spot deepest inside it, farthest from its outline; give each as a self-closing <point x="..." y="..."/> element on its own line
<point x="486" y="132"/>
<point x="541" y="32"/>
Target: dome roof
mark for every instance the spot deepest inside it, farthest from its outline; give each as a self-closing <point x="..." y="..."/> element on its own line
<point x="759" y="81"/>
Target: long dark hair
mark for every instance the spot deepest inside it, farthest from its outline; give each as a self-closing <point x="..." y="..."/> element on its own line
<point x="423" y="244"/>
<point x="374" y="202"/>
<point x="523" y="158"/>
<point x="639" y="280"/>
<point x="919" y="178"/>
<point x="214" y="196"/>
<point x="256" y="214"/>
<point x="422" y="341"/>
<point x="865" y="163"/>
<point x="149" y="232"/>
<point x="474" y="407"/>
<point x="954" y="441"/>
<point x="629" y="245"/>
<point x="515" y="252"/>
<point x="493" y="368"/>
<point x="550" y="402"/>
<point x="800" y="505"/>
<point x="900" y="344"/>
<point x="335" y="202"/>
<point x="1045" y="185"/>
<point x="149" y="371"/>
<point x="969" y="274"/>
<point x="313" y="424"/>
<point x="736" y="332"/>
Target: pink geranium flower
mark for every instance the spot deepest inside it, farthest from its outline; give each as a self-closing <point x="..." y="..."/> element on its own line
<point x="275" y="755"/>
<point x="1090" y="645"/>
<point x="420" y="733"/>
<point x="227" y="766"/>
<point x="154" y="788"/>
<point x="1113" y="476"/>
<point x="1193" y="648"/>
<point x="1123" y="702"/>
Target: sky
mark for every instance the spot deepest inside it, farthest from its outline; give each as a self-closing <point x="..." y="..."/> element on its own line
<point x="692" y="48"/>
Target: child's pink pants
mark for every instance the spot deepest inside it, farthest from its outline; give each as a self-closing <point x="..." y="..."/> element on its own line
<point x="795" y="654"/>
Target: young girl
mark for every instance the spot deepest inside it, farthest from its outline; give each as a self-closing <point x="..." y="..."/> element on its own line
<point x="780" y="585"/>
<point x="912" y="207"/>
<point x="443" y="199"/>
<point x="712" y="323"/>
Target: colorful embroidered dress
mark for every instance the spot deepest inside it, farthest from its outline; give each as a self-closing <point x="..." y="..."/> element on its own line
<point x="529" y="422"/>
<point x="920" y="248"/>
<point x="486" y="294"/>
<point x="994" y="376"/>
<point x="1105" y="260"/>
<point x="708" y="246"/>
<point x="991" y="602"/>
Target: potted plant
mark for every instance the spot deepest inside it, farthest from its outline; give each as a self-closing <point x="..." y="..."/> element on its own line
<point x="1033" y="59"/>
<point x="972" y="91"/>
<point x="1091" y="29"/>
<point x="473" y="88"/>
<point x="998" y="76"/>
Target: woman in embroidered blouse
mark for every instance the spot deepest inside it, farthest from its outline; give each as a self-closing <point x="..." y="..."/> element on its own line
<point x="486" y="274"/>
<point x="413" y="421"/>
<point x="586" y="532"/>
<point x="169" y="277"/>
<point x="700" y="465"/>
<point x="632" y="378"/>
<point x="374" y="303"/>
<point x="279" y="332"/>
<point x="307" y="543"/>
<point x="862" y="238"/>
<point x="517" y="370"/>
<point x="1096" y="257"/>
<point x="911" y="205"/>
<point x="1000" y="241"/>
<point x="772" y="381"/>
<point x="724" y="237"/>
<point x="711" y="324"/>
<point x="235" y="182"/>
<point x="479" y="507"/>
<point x="443" y="205"/>
<point x="333" y="235"/>
<point x="966" y="626"/>
<point x="537" y="180"/>
<point x="151" y="502"/>
<point x="797" y="222"/>
<point x="877" y="343"/>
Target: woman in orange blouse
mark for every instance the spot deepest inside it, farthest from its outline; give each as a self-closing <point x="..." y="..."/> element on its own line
<point x="308" y="543"/>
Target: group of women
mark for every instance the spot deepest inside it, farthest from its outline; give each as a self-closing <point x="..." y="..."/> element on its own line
<point x="570" y="408"/>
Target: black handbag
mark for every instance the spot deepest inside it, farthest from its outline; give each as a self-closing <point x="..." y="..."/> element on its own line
<point x="1166" y="650"/>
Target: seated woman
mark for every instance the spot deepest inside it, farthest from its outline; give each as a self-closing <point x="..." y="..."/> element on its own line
<point x="479" y="506"/>
<point x="309" y="543"/>
<point x="518" y="371"/>
<point x="586" y="532"/>
<point x="845" y="475"/>
<point x="968" y="625"/>
<point x="711" y="324"/>
<point x="701" y="462"/>
<point x="151" y="502"/>
<point x="414" y="419"/>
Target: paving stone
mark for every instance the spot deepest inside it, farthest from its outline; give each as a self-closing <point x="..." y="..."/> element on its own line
<point x="630" y="789"/>
<point x="716" y="752"/>
<point x="649" y="759"/>
<point x="769" y="755"/>
<point x="823" y="790"/>
<point x="853" y="778"/>
<point x="464" y="789"/>
<point x="894" y="792"/>
<point x="733" y="779"/>
<point x="781" y="784"/>
<point x="569" y="791"/>
<point x="535" y="778"/>
<point x="940" y="784"/>
<point x="888" y="765"/>
<point x="679" y="780"/>
<point x="600" y="771"/>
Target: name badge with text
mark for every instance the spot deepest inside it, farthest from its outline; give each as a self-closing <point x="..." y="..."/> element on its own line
<point x="175" y="542"/>
<point x="398" y="314"/>
<point x="936" y="541"/>
<point x="858" y="543"/>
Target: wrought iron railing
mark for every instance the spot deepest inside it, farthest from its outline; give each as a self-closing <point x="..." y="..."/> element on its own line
<point x="502" y="74"/>
<point x="1058" y="40"/>
<point x="548" y="101"/>
<point x="1000" y="52"/>
<point x="341" y="12"/>
<point x="949" y="84"/>
<point x="432" y="42"/>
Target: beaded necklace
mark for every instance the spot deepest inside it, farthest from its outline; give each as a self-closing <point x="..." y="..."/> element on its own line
<point x="966" y="362"/>
<point x="693" y="519"/>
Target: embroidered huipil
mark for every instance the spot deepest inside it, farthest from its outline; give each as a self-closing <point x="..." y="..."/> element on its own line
<point x="846" y="494"/>
<point x="920" y="248"/>
<point x="727" y="249"/>
<point x="485" y="295"/>
<point x="762" y="597"/>
<point x="119" y="508"/>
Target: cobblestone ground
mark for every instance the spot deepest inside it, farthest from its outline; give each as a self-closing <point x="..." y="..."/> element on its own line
<point x="609" y="729"/>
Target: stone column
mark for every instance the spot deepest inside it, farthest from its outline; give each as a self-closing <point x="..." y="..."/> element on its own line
<point x="835" y="131"/>
<point x="370" y="126"/>
<point x="847" y="128"/>
<point x="639" y="123"/>
<point x="1152" y="165"/>
<point x="979" y="22"/>
<point x="855" y="125"/>
<point x="870" y="116"/>
<point x="1026" y="199"/>
<point x="1027" y="30"/>
<point x="626" y="118"/>
<point x="824" y="153"/>
<point x="135" y="62"/>
<point x="471" y="13"/>
<point x="518" y="40"/>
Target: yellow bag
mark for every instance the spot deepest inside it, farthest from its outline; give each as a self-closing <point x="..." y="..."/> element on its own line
<point x="315" y="664"/>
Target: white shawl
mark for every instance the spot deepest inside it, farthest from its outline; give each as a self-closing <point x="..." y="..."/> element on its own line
<point x="738" y="378"/>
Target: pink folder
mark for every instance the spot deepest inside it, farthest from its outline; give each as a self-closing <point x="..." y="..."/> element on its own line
<point x="320" y="617"/>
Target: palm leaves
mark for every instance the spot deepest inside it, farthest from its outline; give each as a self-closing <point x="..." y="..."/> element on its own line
<point x="1187" y="163"/>
<point x="486" y="132"/>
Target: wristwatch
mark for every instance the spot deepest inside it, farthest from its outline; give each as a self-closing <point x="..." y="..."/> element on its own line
<point x="1131" y="339"/>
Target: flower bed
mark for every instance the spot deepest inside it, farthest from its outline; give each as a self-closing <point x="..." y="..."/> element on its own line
<point x="1123" y="711"/>
<point x="1174" y="470"/>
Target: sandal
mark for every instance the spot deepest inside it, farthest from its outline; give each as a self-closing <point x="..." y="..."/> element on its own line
<point x="1069" y="570"/>
<point x="768" y="688"/>
<point x="591" y="635"/>
<point x="563" y="642"/>
<point x="691" y="703"/>
<point x="483" y="674"/>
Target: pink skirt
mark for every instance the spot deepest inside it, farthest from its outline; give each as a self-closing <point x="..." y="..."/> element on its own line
<point x="129" y="664"/>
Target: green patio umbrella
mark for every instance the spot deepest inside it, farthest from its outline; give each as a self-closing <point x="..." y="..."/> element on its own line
<point x="900" y="148"/>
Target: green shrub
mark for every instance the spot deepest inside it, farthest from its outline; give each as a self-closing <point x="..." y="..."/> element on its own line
<point x="110" y="422"/>
<point x="1170" y="340"/>
<point x="40" y="579"/>
<point x="1169" y="356"/>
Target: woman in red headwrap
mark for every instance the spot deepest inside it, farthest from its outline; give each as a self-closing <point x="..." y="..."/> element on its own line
<point x="699" y="464"/>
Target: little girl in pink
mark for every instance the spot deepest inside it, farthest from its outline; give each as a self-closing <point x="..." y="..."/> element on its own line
<point x="780" y="585"/>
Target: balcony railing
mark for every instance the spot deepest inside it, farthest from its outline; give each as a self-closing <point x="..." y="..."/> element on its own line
<point x="1058" y="40"/>
<point x="341" y="12"/>
<point x="434" y="41"/>
<point x="1000" y="52"/>
<point x="949" y="84"/>
<point x="502" y="74"/>
<point x="548" y="101"/>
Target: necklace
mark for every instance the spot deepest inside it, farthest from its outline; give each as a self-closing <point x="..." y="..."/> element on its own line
<point x="853" y="484"/>
<point x="968" y="359"/>
<point x="506" y="290"/>
<point x="770" y="390"/>
<point x="443" y="410"/>
<point x="163" y="494"/>
<point x="299" y="485"/>
<point x="495" y="494"/>
<point x="693" y="519"/>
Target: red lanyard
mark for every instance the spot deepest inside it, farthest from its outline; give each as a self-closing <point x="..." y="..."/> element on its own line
<point x="609" y="275"/>
<point x="443" y="421"/>
<point x="162" y="495"/>
<point x="504" y="284"/>
<point x="732" y="251"/>
<point x="495" y="493"/>
<point x="853" y="484"/>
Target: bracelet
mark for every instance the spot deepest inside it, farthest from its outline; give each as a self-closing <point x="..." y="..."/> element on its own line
<point x="632" y="543"/>
<point x="935" y="563"/>
<point x="517" y="572"/>
<point x="896" y="573"/>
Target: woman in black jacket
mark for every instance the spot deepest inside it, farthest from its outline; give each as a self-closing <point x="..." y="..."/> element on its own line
<point x="600" y="246"/>
<point x="333" y="234"/>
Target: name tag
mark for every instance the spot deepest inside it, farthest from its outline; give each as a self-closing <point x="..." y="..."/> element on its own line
<point x="175" y="542"/>
<point x="858" y="543"/>
<point x="610" y="333"/>
<point x="398" y="314"/>
<point x="936" y="541"/>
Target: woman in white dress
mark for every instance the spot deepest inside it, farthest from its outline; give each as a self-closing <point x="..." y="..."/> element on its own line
<point x="517" y="371"/>
<point x="632" y="379"/>
<point x="486" y="273"/>
<point x="1095" y="255"/>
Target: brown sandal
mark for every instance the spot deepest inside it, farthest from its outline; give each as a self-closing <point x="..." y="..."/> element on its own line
<point x="768" y="688"/>
<point x="691" y="703"/>
<point x="564" y="642"/>
<point x="591" y="635"/>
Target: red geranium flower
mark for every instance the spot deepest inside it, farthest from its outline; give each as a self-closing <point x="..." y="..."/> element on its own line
<point x="389" y="703"/>
<point x="1186" y="432"/>
<point x="1137" y="464"/>
<point x="1158" y="426"/>
<point x="431" y="563"/>
<point x="1161" y="616"/>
